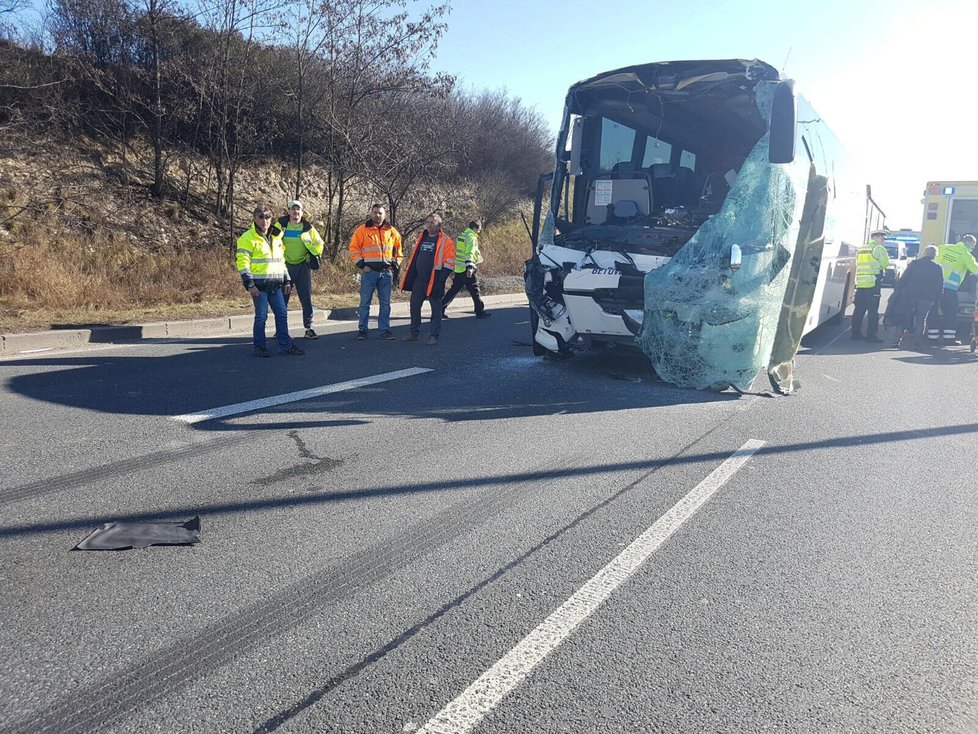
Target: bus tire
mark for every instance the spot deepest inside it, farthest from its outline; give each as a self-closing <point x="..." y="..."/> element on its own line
<point x="538" y="350"/>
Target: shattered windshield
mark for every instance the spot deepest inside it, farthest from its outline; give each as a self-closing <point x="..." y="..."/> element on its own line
<point x="707" y="325"/>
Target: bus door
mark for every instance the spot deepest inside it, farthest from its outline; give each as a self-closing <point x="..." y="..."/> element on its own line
<point x="963" y="219"/>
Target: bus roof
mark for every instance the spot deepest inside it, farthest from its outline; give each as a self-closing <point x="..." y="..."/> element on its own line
<point x="681" y="100"/>
<point x="665" y="76"/>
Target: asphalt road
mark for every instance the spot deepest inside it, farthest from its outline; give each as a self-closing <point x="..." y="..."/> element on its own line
<point x="491" y="543"/>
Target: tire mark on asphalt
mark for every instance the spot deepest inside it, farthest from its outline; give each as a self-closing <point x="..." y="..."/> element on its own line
<point x="224" y="508"/>
<point x="352" y="671"/>
<point x="85" y="477"/>
<point x="174" y="666"/>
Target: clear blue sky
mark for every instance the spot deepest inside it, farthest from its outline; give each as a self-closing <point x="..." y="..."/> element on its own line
<point x="889" y="78"/>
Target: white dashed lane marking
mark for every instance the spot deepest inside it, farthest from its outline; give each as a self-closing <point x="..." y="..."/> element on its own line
<point x="292" y="397"/>
<point x="465" y="712"/>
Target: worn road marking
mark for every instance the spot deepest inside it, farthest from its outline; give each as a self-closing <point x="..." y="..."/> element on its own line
<point x="292" y="397"/>
<point x="465" y="712"/>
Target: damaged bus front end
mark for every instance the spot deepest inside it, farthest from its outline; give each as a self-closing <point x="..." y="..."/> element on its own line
<point x="674" y="210"/>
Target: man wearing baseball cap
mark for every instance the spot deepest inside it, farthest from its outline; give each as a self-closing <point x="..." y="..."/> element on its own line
<point x="303" y="248"/>
<point x="871" y="262"/>
<point x="261" y="265"/>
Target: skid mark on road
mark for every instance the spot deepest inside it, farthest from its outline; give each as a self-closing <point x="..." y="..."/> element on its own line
<point x="317" y="695"/>
<point x="465" y="712"/>
<point x="116" y="469"/>
<point x="94" y="706"/>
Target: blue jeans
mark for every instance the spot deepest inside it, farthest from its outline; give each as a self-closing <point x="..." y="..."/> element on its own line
<point x="381" y="282"/>
<point x="276" y="300"/>
<point x="301" y="277"/>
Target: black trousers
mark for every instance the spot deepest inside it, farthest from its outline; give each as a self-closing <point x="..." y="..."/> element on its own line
<point x="866" y="303"/>
<point x="418" y="299"/>
<point x="301" y="277"/>
<point x="945" y="313"/>
<point x="471" y="284"/>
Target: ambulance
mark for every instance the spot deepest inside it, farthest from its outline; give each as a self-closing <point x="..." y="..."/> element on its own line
<point x="951" y="212"/>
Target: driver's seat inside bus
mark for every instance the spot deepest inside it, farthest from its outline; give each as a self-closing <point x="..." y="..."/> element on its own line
<point x="718" y="184"/>
<point x="630" y="189"/>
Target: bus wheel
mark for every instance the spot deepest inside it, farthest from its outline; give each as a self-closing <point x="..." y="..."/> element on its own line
<point x="538" y="350"/>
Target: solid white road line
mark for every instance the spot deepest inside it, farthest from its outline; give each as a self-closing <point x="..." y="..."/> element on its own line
<point x="465" y="712"/>
<point x="292" y="397"/>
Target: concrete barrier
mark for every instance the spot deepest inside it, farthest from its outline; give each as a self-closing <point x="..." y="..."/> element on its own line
<point x="128" y="333"/>
<point x="55" y="339"/>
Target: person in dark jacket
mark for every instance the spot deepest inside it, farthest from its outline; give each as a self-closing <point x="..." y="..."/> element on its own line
<point x="432" y="260"/>
<point x="920" y="290"/>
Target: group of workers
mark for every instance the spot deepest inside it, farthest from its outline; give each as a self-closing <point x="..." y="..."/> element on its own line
<point x="924" y="304"/>
<point x="276" y="256"/>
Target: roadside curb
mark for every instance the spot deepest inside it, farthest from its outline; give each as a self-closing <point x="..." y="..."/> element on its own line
<point x="11" y="344"/>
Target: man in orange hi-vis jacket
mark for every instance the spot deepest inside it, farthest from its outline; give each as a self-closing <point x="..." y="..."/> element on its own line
<point x="376" y="250"/>
<point x="432" y="261"/>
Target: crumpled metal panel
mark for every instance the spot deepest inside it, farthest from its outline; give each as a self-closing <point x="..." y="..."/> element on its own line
<point x="705" y="325"/>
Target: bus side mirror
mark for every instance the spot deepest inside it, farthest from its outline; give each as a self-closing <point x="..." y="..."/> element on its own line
<point x="784" y="121"/>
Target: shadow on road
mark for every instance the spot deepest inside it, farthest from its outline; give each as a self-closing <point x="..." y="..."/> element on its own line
<point x="323" y="496"/>
<point x="482" y="373"/>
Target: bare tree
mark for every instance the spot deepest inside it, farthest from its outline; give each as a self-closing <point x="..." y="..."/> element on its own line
<point x="372" y="50"/>
<point x="232" y="87"/>
<point x="151" y="27"/>
<point x="95" y="37"/>
<point x="8" y="9"/>
<point x="344" y="85"/>
<point x="305" y="26"/>
<point x="505" y="146"/>
<point x="412" y="141"/>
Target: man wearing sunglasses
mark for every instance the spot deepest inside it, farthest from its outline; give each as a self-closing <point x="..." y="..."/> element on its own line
<point x="261" y="264"/>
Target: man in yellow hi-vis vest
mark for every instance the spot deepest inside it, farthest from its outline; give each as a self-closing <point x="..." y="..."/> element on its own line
<point x="260" y="257"/>
<point x="871" y="263"/>
<point x="468" y="256"/>
<point x="303" y="248"/>
<point x="956" y="261"/>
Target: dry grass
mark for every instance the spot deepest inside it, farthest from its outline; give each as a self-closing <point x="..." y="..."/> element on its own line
<point x="505" y="247"/>
<point x="74" y="282"/>
<point x="77" y="248"/>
